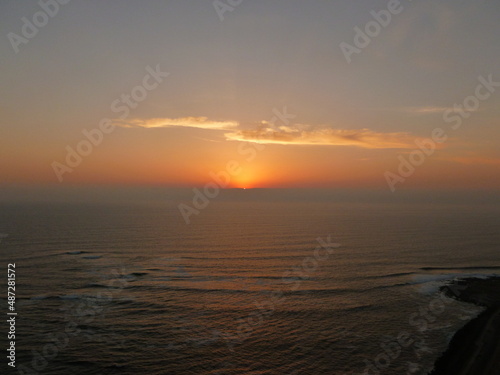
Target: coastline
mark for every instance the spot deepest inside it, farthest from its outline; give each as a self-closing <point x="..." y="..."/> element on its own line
<point x="475" y="348"/>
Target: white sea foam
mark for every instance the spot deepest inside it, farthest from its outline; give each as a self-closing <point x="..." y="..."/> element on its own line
<point x="92" y="257"/>
<point x="430" y="284"/>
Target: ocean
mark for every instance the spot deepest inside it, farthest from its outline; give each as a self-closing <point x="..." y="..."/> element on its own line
<point x="248" y="287"/>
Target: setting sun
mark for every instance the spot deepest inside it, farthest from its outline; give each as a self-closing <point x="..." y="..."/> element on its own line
<point x="247" y="179"/>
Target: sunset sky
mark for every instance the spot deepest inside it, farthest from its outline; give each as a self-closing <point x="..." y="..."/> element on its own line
<point x="267" y="86"/>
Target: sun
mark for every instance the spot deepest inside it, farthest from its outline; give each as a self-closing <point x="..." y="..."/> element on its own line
<point x="244" y="181"/>
<point x="250" y="177"/>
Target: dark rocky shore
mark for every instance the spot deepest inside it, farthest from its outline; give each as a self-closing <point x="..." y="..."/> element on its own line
<point x="474" y="349"/>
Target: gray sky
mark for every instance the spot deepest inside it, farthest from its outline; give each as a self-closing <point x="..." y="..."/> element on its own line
<point x="262" y="56"/>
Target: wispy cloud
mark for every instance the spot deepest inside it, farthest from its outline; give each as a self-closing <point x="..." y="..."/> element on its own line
<point x="293" y="134"/>
<point x="425" y="110"/>
<point x="189" y="122"/>
<point x="428" y="110"/>
<point x="304" y="135"/>
<point x="421" y="110"/>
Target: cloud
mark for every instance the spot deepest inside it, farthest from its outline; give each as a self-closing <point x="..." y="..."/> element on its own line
<point x="303" y="135"/>
<point x="189" y="122"/>
<point x="292" y="134"/>
<point x="431" y="110"/>
<point x="426" y="110"/>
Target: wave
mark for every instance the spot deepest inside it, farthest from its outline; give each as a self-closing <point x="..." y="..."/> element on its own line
<point x="301" y="256"/>
<point x="285" y="291"/>
<point x="460" y="268"/>
<point x="430" y="284"/>
<point x="138" y="274"/>
<point x="97" y="285"/>
<point x="389" y="275"/>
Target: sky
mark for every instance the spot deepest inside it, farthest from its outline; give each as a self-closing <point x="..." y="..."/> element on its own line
<point x="272" y="94"/>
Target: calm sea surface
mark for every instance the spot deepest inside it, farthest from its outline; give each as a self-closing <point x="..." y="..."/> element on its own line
<point x="246" y="288"/>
